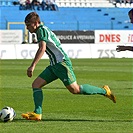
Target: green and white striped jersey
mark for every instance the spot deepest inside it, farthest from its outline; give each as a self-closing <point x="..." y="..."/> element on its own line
<point x="53" y="46"/>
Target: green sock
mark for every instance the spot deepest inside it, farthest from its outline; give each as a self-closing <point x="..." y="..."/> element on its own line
<point x="38" y="99"/>
<point x="87" y="89"/>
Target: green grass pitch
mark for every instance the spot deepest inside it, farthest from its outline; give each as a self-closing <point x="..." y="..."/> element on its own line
<point x="64" y="112"/>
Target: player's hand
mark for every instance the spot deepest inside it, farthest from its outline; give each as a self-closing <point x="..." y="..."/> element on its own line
<point x="30" y="71"/>
<point x="120" y="48"/>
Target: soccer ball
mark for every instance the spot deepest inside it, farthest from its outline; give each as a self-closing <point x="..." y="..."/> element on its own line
<point x="7" y="114"/>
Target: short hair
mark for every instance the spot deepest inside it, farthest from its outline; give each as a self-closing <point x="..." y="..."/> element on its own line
<point x="130" y="11"/>
<point x="32" y="17"/>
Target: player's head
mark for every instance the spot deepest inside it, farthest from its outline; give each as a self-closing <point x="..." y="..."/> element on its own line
<point x="32" y="21"/>
<point x="130" y="14"/>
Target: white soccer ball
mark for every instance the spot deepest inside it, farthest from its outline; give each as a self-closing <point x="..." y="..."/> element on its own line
<point x="7" y="114"/>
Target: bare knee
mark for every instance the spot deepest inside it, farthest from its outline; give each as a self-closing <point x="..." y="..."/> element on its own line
<point x="38" y="83"/>
<point x="35" y="85"/>
<point x="74" y="88"/>
<point x="75" y="91"/>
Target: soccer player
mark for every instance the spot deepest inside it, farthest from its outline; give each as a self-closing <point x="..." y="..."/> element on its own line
<point x="121" y="47"/>
<point x="60" y="68"/>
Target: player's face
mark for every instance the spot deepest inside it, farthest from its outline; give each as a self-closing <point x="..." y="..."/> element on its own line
<point x="31" y="27"/>
<point x="131" y="17"/>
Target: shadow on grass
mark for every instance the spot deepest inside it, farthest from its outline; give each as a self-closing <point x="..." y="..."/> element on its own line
<point x="85" y="120"/>
<point x="73" y="120"/>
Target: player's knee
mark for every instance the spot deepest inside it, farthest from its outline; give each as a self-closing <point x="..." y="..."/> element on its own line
<point x="38" y="83"/>
<point x="74" y="90"/>
<point x="35" y="85"/>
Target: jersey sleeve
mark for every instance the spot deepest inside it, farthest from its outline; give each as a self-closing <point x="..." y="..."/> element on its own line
<point x="42" y="35"/>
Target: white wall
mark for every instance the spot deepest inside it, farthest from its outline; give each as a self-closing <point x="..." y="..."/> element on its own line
<point x="27" y="51"/>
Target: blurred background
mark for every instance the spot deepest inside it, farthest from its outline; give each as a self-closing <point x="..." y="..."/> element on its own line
<point x="73" y="21"/>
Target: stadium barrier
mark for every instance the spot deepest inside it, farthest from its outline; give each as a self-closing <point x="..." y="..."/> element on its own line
<point x="96" y="36"/>
<point x="11" y="36"/>
<point x="82" y="44"/>
<point x="27" y="51"/>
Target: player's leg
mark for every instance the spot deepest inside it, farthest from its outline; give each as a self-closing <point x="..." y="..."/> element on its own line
<point x="68" y="77"/>
<point x="38" y="99"/>
<point x="87" y="89"/>
<point x="65" y="72"/>
<point x="44" y="78"/>
<point x="38" y="94"/>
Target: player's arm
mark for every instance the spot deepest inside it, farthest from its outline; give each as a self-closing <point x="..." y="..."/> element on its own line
<point x="38" y="55"/>
<point x="124" y="48"/>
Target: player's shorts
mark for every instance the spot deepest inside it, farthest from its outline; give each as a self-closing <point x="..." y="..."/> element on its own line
<point x="62" y="70"/>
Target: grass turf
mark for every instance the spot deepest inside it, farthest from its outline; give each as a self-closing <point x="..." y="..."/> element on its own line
<point x="64" y="112"/>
